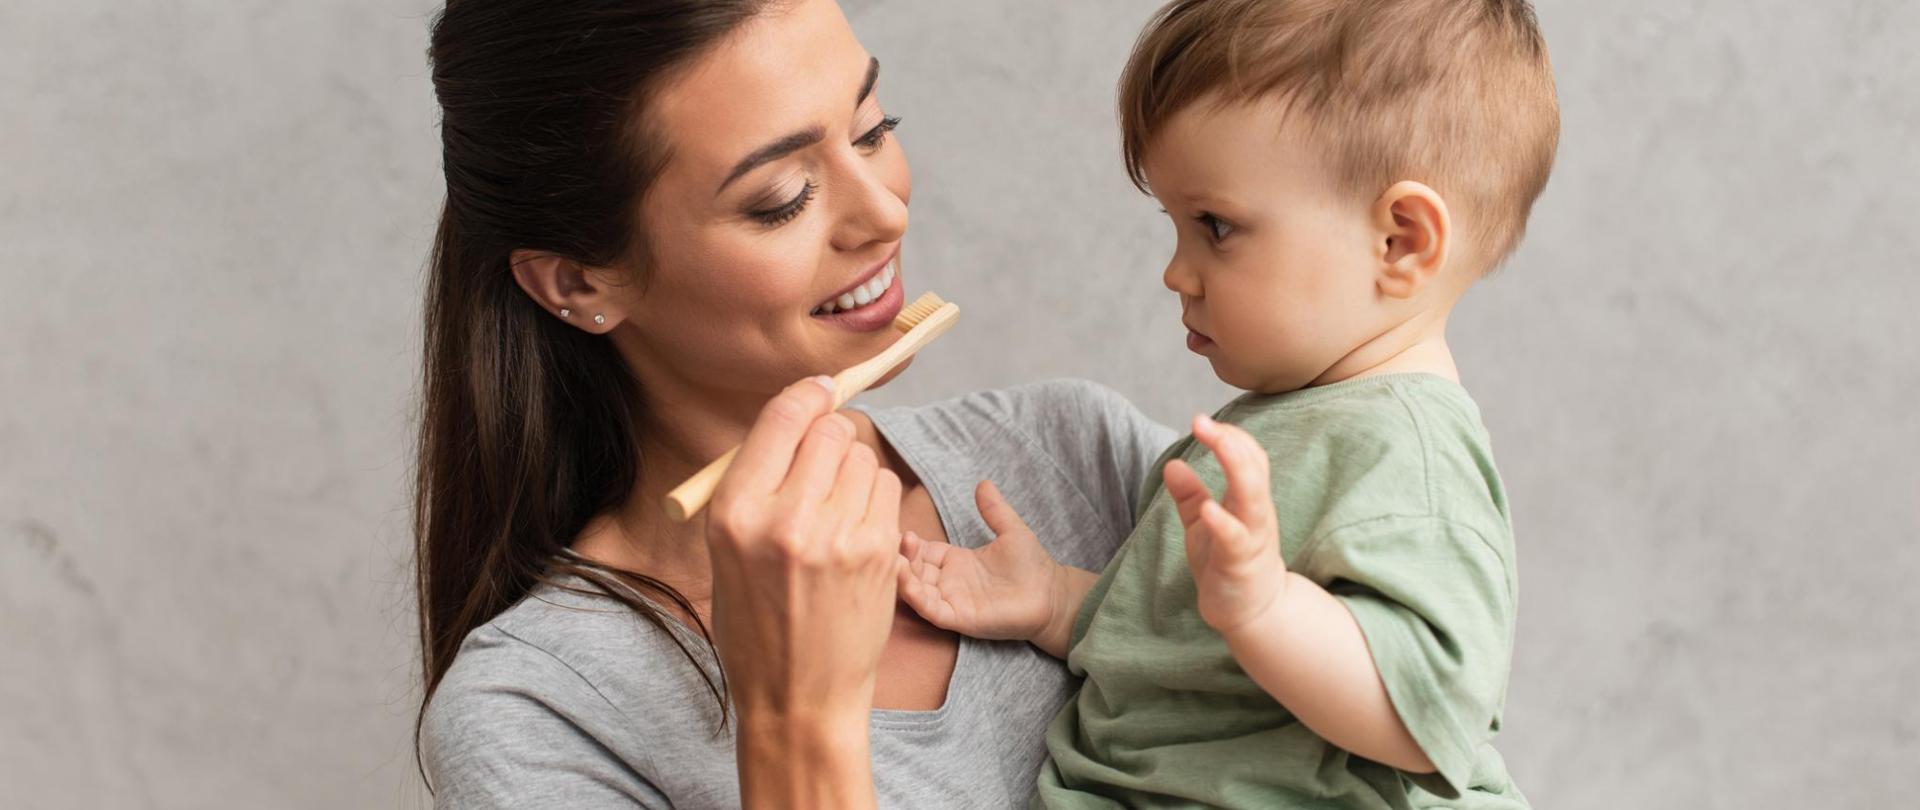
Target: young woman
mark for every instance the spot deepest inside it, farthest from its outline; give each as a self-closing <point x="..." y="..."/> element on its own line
<point x="660" y="214"/>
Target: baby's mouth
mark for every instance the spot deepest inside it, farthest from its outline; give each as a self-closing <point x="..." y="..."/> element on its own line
<point x="1196" y="340"/>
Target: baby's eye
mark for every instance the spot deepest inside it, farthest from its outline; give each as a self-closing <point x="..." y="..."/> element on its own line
<point x="1217" y="228"/>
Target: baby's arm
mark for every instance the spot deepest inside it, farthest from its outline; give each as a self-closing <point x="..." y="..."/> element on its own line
<point x="1010" y="588"/>
<point x="1296" y="640"/>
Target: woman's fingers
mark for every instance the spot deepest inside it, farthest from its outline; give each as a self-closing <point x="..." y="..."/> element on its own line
<point x="816" y="464"/>
<point x="883" y="504"/>
<point x="853" y="487"/>
<point x="767" y="453"/>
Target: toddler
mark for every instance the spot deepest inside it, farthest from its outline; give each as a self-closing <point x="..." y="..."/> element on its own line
<point x="1336" y="629"/>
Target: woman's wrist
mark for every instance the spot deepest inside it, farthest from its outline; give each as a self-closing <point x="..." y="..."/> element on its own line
<point x="804" y="759"/>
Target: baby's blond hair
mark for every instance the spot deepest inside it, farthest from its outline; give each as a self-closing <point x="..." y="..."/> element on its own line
<point x="1457" y="94"/>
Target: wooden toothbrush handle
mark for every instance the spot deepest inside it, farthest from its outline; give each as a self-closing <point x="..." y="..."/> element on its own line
<point x="691" y="496"/>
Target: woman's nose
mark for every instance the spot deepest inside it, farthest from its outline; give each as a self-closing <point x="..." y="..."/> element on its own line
<point x="872" y="209"/>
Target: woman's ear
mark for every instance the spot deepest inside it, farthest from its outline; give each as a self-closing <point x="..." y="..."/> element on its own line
<point x="579" y="295"/>
<point x="1415" y="235"/>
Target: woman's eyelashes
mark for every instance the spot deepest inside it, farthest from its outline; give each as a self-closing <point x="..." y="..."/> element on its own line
<point x="785" y="212"/>
<point x="878" y="135"/>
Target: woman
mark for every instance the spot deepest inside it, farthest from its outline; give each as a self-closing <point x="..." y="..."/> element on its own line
<point x="659" y="214"/>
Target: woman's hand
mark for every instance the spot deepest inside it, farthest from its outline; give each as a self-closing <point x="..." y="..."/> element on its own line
<point x="1010" y="588"/>
<point x="803" y="532"/>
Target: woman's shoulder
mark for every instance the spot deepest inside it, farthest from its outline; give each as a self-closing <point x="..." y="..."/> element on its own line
<point x="1066" y="418"/>
<point x="1070" y="454"/>
<point x="565" y="672"/>
<point x="1039" y="401"/>
<point x="585" y="656"/>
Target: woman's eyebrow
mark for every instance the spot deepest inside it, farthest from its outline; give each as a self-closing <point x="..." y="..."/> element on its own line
<point x="783" y="147"/>
<point x="866" y="87"/>
<point x="797" y="141"/>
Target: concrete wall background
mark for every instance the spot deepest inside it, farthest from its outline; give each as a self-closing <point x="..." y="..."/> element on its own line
<point x="1700" y="371"/>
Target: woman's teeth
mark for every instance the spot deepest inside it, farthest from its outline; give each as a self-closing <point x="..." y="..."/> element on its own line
<point x="860" y="296"/>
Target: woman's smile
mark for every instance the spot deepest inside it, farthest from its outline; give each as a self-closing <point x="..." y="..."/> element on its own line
<point x="869" y="304"/>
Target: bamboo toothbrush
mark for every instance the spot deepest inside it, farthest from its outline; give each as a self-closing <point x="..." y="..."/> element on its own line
<point x="927" y="318"/>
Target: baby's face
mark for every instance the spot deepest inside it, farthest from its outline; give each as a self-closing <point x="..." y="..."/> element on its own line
<point x="1274" y="262"/>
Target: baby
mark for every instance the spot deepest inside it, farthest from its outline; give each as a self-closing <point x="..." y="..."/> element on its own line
<point x="1338" y="632"/>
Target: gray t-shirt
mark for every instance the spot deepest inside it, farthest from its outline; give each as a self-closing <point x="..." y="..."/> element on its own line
<point x="571" y="701"/>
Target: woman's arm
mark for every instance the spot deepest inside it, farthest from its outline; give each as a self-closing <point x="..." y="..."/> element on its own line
<point x="811" y="760"/>
<point x="805" y="525"/>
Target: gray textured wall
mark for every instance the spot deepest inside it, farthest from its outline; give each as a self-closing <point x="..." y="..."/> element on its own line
<point x="1700" y="371"/>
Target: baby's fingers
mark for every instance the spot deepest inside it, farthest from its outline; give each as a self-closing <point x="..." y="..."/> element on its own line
<point x="922" y="593"/>
<point x="923" y="554"/>
<point x="923" y="598"/>
<point x="998" y="514"/>
<point x="1229" y="541"/>
<point x="1187" y="490"/>
<point x="1249" y="495"/>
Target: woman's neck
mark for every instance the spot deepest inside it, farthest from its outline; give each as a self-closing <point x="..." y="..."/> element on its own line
<point x="677" y="442"/>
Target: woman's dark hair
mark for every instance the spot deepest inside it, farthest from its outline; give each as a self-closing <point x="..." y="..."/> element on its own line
<point x="528" y="426"/>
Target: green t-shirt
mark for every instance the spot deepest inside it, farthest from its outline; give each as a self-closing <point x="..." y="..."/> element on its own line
<point x="1387" y="496"/>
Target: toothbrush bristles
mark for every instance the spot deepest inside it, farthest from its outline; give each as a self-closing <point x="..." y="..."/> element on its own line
<point x="917" y="311"/>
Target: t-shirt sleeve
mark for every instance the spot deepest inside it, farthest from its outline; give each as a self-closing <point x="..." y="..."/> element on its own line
<point x="499" y="733"/>
<point x="1107" y="443"/>
<point x="1435" y="601"/>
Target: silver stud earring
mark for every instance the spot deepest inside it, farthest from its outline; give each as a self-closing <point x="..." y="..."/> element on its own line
<point x="600" y="319"/>
<point x="566" y="313"/>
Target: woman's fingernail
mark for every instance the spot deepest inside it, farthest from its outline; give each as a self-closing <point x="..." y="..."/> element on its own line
<point x="824" y="381"/>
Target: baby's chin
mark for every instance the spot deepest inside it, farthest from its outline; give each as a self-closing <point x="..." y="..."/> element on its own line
<point x="1258" y="381"/>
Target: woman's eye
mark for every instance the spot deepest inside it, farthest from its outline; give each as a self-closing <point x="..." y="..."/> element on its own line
<point x="1217" y="228"/>
<point x="785" y="212"/>
<point x="877" y="135"/>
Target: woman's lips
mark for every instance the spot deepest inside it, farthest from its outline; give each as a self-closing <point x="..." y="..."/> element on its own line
<point x="864" y="291"/>
<point x="875" y="315"/>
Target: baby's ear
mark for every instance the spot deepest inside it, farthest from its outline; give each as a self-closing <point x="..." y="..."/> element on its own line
<point x="1414" y="234"/>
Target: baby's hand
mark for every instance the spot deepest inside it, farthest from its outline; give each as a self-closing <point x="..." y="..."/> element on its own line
<point x="1003" y="590"/>
<point x="1234" y="551"/>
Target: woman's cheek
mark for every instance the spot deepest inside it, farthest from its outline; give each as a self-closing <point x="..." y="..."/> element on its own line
<point x="769" y="274"/>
